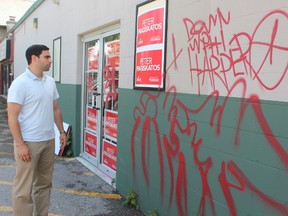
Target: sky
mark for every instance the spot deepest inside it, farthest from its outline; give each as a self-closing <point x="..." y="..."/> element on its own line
<point x="16" y="8"/>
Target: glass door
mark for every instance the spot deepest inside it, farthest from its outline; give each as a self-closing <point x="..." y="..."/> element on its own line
<point x="92" y="105"/>
<point x="102" y="59"/>
<point x="111" y="60"/>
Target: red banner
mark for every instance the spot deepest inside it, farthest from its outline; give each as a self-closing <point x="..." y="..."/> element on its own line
<point x="109" y="154"/>
<point x="111" y="124"/>
<point x="90" y="144"/>
<point x="91" y="118"/>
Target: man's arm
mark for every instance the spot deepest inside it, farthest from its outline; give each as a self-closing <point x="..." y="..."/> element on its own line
<point x="13" y="113"/>
<point x="59" y="123"/>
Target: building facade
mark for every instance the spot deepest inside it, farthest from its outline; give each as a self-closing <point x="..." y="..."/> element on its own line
<point x="183" y="102"/>
<point x="6" y="64"/>
<point x="11" y="11"/>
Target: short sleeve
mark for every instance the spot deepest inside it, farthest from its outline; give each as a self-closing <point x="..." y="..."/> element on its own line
<point x="16" y="93"/>
<point x="56" y="94"/>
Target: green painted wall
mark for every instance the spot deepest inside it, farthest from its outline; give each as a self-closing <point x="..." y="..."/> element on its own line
<point x="193" y="155"/>
<point x="70" y="104"/>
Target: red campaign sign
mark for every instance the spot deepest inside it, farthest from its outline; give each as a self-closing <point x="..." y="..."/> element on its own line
<point x="91" y="118"/>
<point x="90" y="144"/>
<point x="113" y="53"/>
<point x="111" y="124"/>
<point x="150" y="27"/>
<point x="149" y="68"/>
<point x="109" y="154"/>
<point x="93" y="58"/>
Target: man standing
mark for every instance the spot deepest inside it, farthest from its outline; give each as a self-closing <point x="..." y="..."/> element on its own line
<point x="32" y="110"/>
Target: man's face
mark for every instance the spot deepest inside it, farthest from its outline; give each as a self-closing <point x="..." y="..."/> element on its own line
<point x="44" y="60"/>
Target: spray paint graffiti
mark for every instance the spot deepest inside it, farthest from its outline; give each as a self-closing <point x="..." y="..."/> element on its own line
<point x="215" y="57"/>
<point x="225" y="64"/>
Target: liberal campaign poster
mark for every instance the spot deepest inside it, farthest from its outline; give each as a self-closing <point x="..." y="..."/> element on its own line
<point x="109" y="154"/>
<point x="91" y="119"/>
<point x="90" y="144"/>
<point x="111" y="125"/>
<point x="149" y="66"/>
<point x="93" y="58"/>
<point x="150" y="28"/>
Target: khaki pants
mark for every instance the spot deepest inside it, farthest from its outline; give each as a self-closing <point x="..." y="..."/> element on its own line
<point x="33" y="181"/>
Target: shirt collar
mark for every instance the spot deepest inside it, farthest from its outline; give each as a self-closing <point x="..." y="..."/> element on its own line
<point x="33" y="76"/>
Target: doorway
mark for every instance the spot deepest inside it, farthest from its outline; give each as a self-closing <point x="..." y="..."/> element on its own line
<point x="7" y="77"/>
<point x="100" y="101"/>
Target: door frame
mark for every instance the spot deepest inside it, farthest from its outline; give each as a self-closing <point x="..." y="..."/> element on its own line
<point x="96" y="162"/>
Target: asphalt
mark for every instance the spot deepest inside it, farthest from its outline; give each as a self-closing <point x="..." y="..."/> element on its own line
<point x="77" y="191"/>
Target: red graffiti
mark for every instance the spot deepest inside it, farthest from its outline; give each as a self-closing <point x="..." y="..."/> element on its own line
<point x="218" y="59"/>
<point x="215" y="58"/>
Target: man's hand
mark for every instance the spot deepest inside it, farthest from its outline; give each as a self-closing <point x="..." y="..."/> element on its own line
<point x="24" y="153"/>
<point x="63" y="140"/>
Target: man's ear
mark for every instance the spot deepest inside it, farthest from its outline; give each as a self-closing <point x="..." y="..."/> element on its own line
<point x="34" y="58"/>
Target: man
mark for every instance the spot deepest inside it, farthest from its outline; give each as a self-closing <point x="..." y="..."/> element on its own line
<point x="32" y="110"/>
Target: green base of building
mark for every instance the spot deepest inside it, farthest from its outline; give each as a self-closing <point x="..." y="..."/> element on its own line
<point x="193" y="155"/>
<point x="70" y="104"/>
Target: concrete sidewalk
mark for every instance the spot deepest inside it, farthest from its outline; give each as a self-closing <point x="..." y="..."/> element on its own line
<point x="76" y="190"/>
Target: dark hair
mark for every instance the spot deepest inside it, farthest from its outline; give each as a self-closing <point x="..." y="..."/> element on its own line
<point x="34" y="50"/>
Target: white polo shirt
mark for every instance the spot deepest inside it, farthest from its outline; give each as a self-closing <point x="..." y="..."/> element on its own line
<point x="36" y="96"/>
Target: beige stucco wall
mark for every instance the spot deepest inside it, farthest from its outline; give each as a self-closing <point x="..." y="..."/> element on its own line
<point x="73" y="20"/>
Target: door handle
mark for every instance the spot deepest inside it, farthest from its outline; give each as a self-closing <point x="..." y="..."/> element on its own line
<point x="96" y="108"/>
<point x="96" y="93"/>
